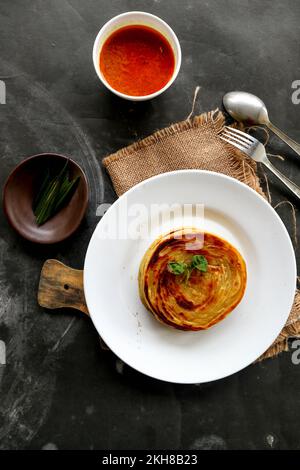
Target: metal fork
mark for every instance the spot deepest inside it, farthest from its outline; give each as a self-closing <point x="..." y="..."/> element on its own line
<point x="255" y="149"/>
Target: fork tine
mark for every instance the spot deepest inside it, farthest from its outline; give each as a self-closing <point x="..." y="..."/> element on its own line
<point x="240" y="138"/>
<point x="235" y="144"/>
<point x="236" y="138"/>
<point x="242" y="134"/>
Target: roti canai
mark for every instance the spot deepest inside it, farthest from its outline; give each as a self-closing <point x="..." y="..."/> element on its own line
<point x="191" y="280"/>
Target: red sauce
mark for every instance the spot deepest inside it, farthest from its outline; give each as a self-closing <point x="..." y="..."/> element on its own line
<point x="137" y="60"/>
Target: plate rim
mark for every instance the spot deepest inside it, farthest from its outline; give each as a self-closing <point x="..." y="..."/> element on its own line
<point x="202" y="172"/>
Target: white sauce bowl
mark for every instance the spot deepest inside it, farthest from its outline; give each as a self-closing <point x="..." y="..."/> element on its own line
<point x="136" y="18"/>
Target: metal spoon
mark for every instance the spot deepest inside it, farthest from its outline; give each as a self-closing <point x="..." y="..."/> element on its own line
<point x="246" y="107"/>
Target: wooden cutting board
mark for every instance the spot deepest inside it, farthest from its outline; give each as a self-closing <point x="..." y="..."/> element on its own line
<point x="61" y="286"/>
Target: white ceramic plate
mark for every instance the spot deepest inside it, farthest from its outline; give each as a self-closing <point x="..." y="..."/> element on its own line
<point x="236" y="213"/>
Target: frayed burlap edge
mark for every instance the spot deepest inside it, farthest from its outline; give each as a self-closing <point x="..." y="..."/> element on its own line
<point x="290" y="330"/>
<point x="214" y="121"/>
<point x="213" y="117"/>
<point x="247" y="174"/>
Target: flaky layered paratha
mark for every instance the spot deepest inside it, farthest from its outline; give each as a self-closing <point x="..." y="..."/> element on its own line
<point x="190" y="280"/>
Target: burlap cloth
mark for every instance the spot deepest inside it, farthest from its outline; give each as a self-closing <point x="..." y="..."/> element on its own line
<point x="191" y="144"/>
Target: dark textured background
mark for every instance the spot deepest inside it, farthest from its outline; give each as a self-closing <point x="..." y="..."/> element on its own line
<point x="59" y="389"/>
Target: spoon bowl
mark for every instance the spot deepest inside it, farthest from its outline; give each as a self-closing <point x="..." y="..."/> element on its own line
<point x="248" y="108"/>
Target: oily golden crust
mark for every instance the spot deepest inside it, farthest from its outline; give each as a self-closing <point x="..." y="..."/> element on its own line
<point x="206" y="298"/>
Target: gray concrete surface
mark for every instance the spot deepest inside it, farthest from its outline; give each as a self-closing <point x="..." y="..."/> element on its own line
<point x="58" y="388"/>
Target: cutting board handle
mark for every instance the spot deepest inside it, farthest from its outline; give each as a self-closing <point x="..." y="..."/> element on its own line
<point x="61" y="286"/>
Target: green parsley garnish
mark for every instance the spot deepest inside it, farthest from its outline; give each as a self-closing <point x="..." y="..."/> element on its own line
<point x="177" y="268"/>
<point x="198" y="262"/>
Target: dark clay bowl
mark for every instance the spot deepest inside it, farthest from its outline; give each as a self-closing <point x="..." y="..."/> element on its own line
<point x="21" y="188"/>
